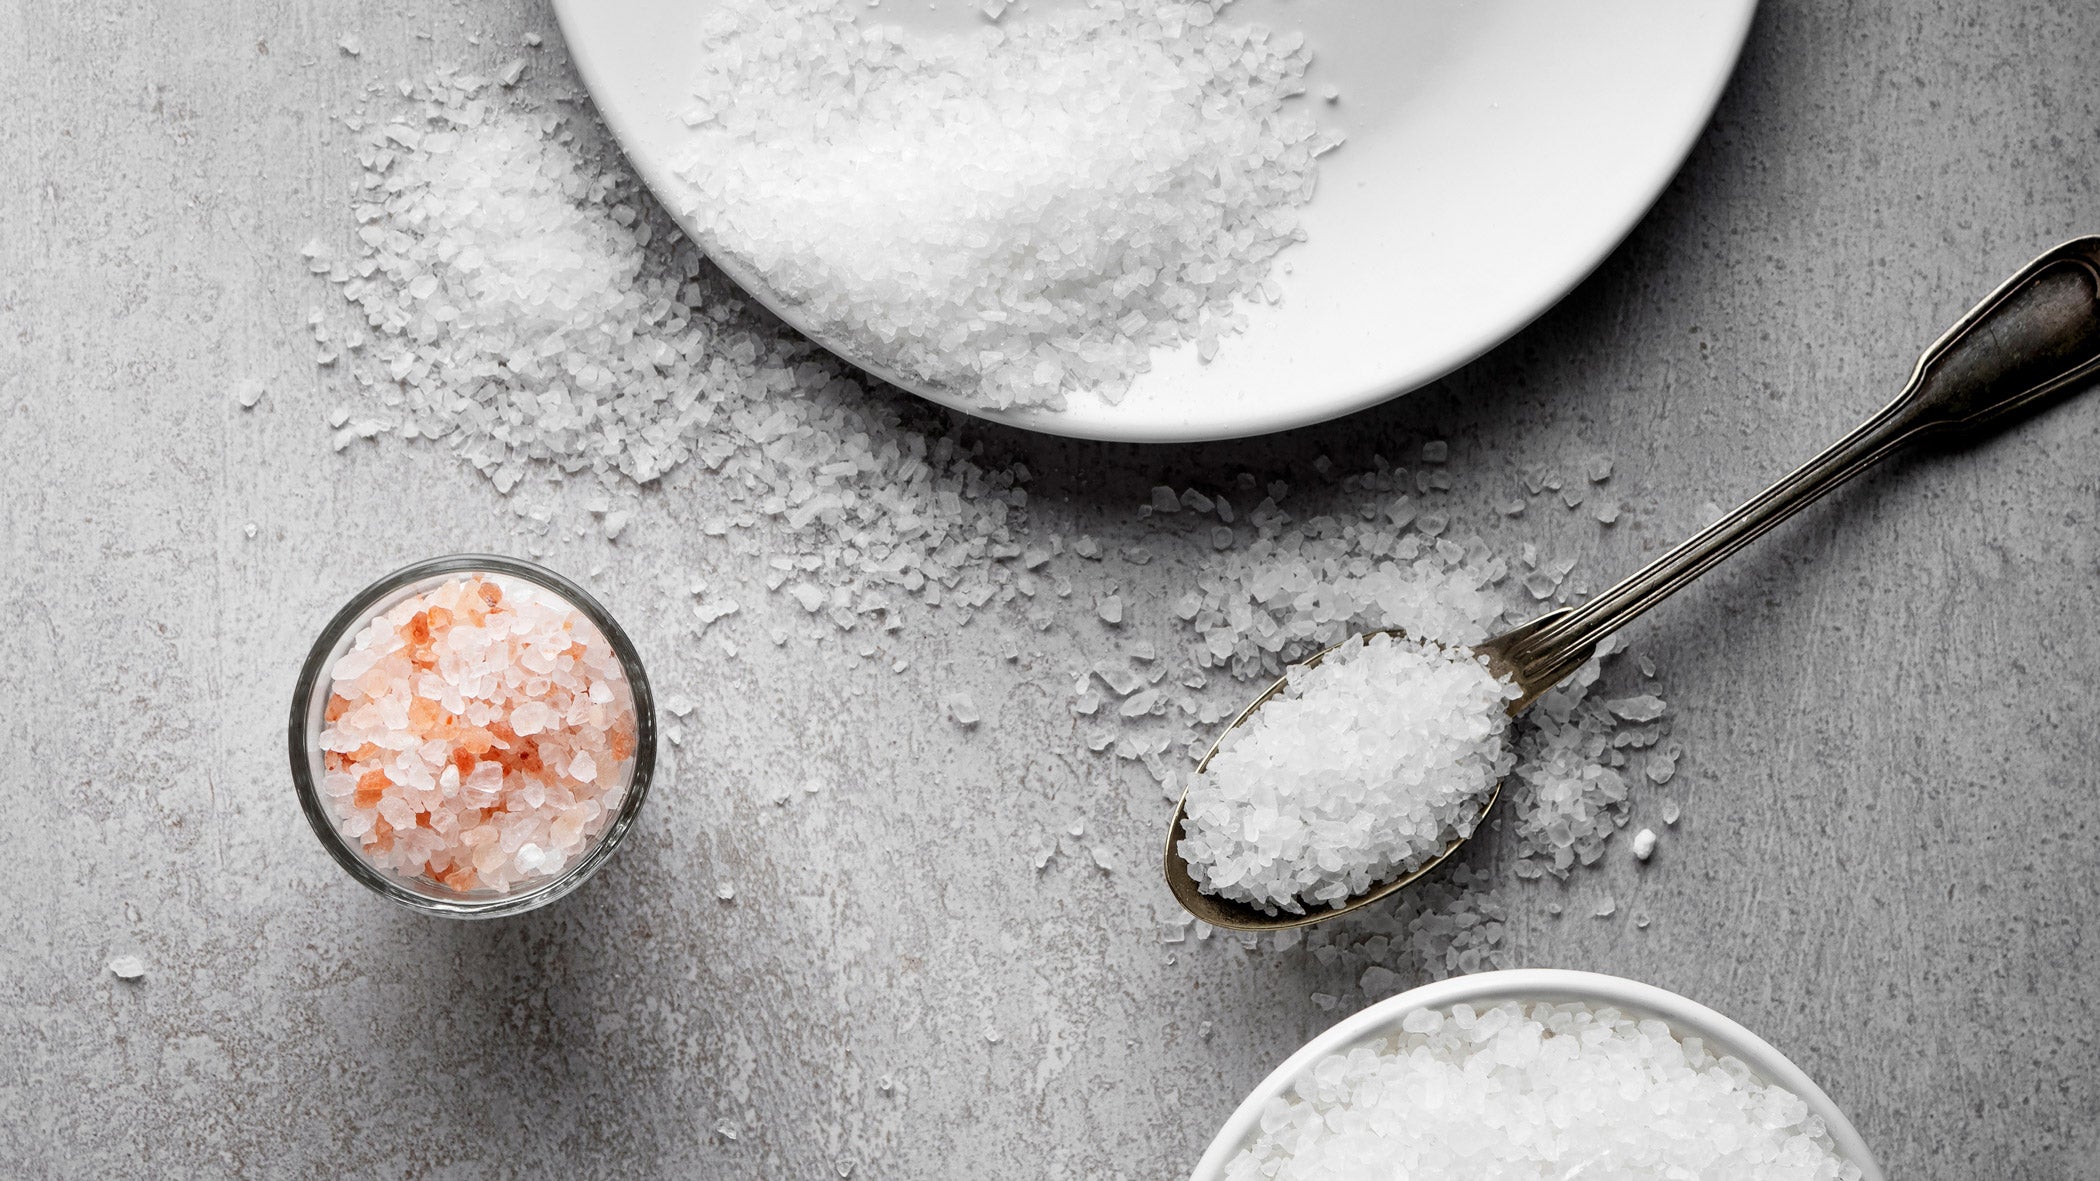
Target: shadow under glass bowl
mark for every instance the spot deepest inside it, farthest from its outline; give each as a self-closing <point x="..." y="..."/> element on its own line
<point x="310" y="701"/>
<point x="1686" y="1018"/>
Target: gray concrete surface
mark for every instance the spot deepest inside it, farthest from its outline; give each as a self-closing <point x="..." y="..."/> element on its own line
<point x="1886" y="864"/>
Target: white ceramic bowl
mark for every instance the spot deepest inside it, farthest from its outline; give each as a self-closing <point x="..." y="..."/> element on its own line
<point x="1687" y="1018"/>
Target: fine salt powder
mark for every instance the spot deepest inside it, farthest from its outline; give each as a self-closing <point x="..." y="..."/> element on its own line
<point x="1539" y="1092"/>
<point x="479" y="735"/>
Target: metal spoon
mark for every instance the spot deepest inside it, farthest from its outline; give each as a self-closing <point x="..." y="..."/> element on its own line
<point x="2035" y="337"/>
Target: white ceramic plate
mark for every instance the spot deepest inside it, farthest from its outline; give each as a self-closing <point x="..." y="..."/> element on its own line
<point x="1686" y="1018"/>
<point x="1498" y="150"/>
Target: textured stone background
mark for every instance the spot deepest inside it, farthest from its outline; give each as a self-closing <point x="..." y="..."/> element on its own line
<point x="1886" y="864"/>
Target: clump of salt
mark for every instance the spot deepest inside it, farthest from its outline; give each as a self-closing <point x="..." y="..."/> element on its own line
<point x="1362" y="769"/>
<point x="479" y="735"/>
<point x="1518" y="1092"/>
<point x="1013" y="215"/>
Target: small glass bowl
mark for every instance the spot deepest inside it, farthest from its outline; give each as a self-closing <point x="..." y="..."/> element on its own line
<point x="310" y="700"/>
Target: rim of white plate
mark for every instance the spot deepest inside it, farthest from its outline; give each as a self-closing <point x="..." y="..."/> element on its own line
<point x="1685" y="1017"/>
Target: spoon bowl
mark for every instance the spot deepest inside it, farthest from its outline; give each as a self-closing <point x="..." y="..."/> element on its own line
<point x="1505" y="658"/>
<point x="2034" y="338"/>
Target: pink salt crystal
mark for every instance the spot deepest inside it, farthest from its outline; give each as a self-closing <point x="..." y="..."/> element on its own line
<point x="531" y="717"/>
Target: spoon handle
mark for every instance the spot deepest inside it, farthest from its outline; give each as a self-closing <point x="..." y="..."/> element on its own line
<point x="2035" y="337"/>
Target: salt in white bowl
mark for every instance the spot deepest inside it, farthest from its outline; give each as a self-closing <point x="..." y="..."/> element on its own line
<point x="1685" y="1017"/>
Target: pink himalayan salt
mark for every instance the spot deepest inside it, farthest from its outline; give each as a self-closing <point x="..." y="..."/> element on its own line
<point x="479" y="735"/>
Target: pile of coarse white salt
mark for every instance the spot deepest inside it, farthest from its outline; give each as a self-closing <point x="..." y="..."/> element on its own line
<point x="1363" y="768"/>
<point x="479" y="735"/>
<point x="1544" y="1092"/>
<point x="1011" y="215"/>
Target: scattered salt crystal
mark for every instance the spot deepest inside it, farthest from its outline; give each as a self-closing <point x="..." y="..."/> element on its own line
<point x="709" y="611"/>
<point x="1662" y="767"/>
<point x="1670" y="812"/>
<point x="1436" y="451"/>
<point x="247" y="393"/>
<point x="1644" y="844"/>
<point x="1605" y="907"/>
<point x="351" y="44"/>
<point x="961" y="709"/>
<point x="1110" y="609"/>
<point x="127" y="967"/>
<point x="1645" y="708"/>
<point x="1378" y="982"/>
<point x="726" y="892"/>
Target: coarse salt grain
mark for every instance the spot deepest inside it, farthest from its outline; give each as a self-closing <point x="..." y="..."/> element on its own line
<point x="1537" y="1092"/>
<point x="464" y="736"/>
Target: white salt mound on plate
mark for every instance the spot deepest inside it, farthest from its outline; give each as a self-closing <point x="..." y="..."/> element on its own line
<point x="1542" y="1092"/>
<point x="1011" y="215"/>
<point x="1362" y="769"/>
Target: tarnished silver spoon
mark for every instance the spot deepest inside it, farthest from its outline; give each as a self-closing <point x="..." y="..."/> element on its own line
<point x="2037" y="336"/>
